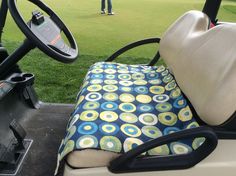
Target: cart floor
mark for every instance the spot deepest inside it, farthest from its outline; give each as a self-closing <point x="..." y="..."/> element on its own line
<point x="46" y="127"/>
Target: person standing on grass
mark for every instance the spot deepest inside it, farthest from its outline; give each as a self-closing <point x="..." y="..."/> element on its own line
<point x="103" y="7"/>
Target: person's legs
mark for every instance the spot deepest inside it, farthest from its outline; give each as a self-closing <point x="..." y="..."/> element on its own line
<point x="109" y="4"/>
<point x="103" y="5"/>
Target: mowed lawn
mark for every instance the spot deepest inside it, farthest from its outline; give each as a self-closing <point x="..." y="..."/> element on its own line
<point x="98" y="36"/>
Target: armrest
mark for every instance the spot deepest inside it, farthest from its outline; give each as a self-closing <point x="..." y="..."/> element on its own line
<point x="131" y="46"/>
<point x="132" y="161"/>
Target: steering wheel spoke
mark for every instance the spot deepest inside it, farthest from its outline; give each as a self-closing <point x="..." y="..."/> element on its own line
<point x="60" y="25"/>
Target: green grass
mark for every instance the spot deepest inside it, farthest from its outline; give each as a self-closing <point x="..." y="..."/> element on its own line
<point x="230" y="8"/>
<point x="99" y="36"/>
<point x="58" y="82"/>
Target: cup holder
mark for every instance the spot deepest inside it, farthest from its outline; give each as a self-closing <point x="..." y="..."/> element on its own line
<point x="18" y="79"/>
<point x="28" y="75"/>
<point x="24" y="78"/>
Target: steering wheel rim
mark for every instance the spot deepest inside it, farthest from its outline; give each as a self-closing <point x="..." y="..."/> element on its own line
<point x="24" y="27"/>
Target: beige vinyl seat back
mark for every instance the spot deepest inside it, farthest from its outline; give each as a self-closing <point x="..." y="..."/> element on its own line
<point x="203" y="62"/>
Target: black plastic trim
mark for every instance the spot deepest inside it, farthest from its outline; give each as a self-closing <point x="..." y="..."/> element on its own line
<point x="3" y="16"/>
<point x="227" y="130"/>
<point x="231" y="123"/>
<point x="132" y="162"/>
<point x="18" y="54"/>
<point x="134" y="45"/>
<point x="3" y="53"/>
<point x="155" y="59"/>
<point x="211" y="8"/>
<point x="12" y="168"/>
<point x="225" y="134"/>
<point x="19" y="133"/>
<point x="23" y="83"/>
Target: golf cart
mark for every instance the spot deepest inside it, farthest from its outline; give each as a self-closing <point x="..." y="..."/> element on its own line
<point x="177" y="119"/>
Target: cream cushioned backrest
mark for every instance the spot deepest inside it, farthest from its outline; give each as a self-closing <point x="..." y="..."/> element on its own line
<point x="203" y="62"/>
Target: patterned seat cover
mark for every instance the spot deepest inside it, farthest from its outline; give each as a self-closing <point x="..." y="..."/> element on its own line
<point x="122" y="106"/>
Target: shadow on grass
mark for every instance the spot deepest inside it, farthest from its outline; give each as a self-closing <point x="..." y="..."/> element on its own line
<point x="95" y="15"/>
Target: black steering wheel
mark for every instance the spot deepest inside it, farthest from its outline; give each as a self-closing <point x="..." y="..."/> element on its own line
<point x="45" y="32"/>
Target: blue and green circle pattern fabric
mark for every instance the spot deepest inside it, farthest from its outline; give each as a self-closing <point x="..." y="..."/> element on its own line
<point x="108" y="128"/>
<point x="131" y="130"/>
<point x="110" y="143"/>
<point x="128" y="117"/>
<point x="89" y="115"/>
<point x="120" y="107"/>
<point x="87" y="128"/>
<point x="109" y="106"/>
<point x="87" y="141"/>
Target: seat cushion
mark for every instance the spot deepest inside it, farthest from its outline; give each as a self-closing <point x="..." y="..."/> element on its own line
<point x="122" y="106"/>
